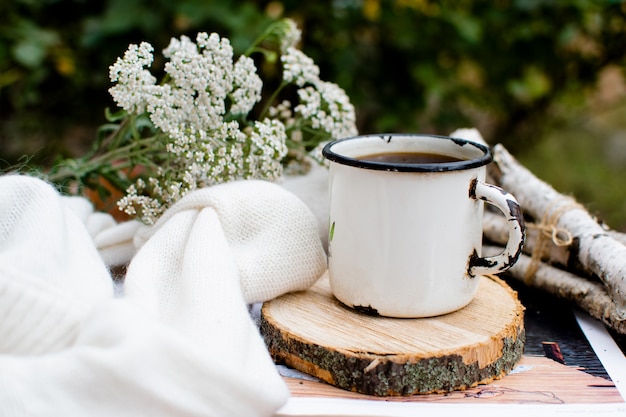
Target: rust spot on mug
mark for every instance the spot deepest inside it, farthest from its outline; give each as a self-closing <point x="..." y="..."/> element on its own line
<point x="516" y="212"/>
<point x="460" y="142"/>
<point x="475" y="260"/>
<point x="472" y="188"/>
<point x="369" y="310"/>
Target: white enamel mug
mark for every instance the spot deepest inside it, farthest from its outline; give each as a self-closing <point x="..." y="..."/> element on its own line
<point x="405" y="238"/>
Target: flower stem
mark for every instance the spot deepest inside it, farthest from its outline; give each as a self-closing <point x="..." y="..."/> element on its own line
<point x="79" y="168"/>
<point x="259" y="39"/>
<point x="270" y="100"/>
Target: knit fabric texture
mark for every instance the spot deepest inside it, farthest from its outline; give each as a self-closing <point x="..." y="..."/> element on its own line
<point x="44" y="250"/>
<point x="179" y="341"/>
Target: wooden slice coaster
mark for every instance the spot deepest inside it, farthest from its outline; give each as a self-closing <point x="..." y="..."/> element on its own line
<point x="313" y="332"/>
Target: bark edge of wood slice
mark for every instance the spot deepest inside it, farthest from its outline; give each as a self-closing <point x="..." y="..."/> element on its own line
<point x="313" y="332"/>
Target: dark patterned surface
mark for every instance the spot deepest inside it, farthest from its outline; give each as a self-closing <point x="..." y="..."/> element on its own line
<point x="548" y="319"/>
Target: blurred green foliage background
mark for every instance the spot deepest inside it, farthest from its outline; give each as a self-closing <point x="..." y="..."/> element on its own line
<point x="545" y="78"/>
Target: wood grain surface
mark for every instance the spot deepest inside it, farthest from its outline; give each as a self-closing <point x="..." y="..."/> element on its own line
<point x="313" y="332"/>
<point x="536" y="380"/>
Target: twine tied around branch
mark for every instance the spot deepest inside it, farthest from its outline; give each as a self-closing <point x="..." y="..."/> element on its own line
<point x="549" y="232"/>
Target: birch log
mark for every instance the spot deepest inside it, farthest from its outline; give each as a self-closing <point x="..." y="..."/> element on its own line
<point x="619" y="236"/>
<point x="496" y="230"/>
<point x="588" y="295"/>
<point x="595" y="250"/>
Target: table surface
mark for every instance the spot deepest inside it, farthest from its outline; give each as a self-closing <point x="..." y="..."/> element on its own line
<point x="537" y="380"/>
<point x="548" y="319"/>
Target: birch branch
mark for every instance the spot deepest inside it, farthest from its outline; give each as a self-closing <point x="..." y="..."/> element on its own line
<point x="536" y="245"/>
<point x="495" y="230"/>
<point x="596" y="251"/>
<point x="589" y="296"/>
<point x="619" y="236"/>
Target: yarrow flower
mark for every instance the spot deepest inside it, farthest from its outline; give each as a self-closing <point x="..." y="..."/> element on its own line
<point x="201" y="125"/>
<point x="324" y="111"/>
<point x="291" y="35"/>
<point x="326" y="107"/>
<point x="247" y="86"/>
<point x="299" y="68"/>
<point x="132" y="78"/>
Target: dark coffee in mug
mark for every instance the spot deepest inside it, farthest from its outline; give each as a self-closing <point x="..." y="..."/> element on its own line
<point x="409" y="158"/>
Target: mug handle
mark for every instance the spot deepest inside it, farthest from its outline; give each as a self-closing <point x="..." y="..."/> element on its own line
<point x="511" y="209"/>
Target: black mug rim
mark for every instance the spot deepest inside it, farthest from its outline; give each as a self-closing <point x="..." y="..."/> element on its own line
<point x="485" y="159"/>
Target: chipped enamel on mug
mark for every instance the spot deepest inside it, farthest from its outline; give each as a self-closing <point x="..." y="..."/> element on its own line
<point x="405" y="238"/>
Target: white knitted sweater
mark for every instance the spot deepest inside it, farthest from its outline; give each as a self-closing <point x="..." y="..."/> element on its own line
<point x="179" y="342"/>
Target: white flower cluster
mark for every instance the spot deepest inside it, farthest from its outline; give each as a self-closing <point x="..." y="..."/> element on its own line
<point x="132" y="77"/>
<point x="299" y="68"/>
<point x="190" y="109"/>
<point x="291" y="36"/>
<point x="200" y="113"/>
<point x="325" y="106"/>
<point x="324" y="109"/>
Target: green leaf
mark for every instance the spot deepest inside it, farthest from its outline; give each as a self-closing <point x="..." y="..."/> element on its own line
<point x="115" y="116"/>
